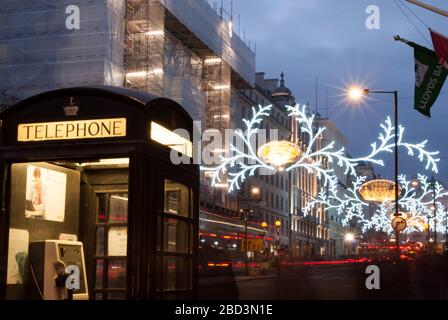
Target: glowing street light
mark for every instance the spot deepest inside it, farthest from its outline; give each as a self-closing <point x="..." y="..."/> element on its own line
<point x="264" y="224"/>
<point x="255" y="191"/>
<point x="357" y="94"/>
<point x="349" y="237"/>
<point x="278" y="223"/>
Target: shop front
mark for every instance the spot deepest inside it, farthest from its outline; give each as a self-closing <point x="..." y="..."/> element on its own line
<point x="92" y="205"/>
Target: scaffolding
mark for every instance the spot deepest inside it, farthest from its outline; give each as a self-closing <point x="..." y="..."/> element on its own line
<point x="144" y="46"/>
<point x="38" y="53"/>
<point x="180" y="49"/>
<point x="164" y="57"/>
<point x="157" y="46"/>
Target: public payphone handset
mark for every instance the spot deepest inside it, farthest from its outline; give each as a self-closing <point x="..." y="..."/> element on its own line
<point x="58" y="269"/>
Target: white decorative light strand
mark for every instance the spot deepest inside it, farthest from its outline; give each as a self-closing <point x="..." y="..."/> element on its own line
<point x="239" y="164"/>
<point x="416" y="202"/>
<point x="238" y="158"/>
<point x="386" y="144"/>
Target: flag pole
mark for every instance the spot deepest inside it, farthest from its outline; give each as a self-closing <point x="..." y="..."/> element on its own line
<point x="398" y="38"/>
<point x="429" y="7"/>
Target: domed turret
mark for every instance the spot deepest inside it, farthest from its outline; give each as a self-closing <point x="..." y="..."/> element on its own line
<point x="282" y="92"/>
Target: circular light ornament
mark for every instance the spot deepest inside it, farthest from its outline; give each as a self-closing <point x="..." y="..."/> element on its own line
<point x="279" y="153"/>
<point x="378" y="190"/>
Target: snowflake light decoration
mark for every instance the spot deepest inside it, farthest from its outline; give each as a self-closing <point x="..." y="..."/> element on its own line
<point x="415" y="203"/>
<point x="237" y="165"/>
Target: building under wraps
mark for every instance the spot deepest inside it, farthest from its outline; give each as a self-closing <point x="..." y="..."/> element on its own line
<point x="182" y="49"/>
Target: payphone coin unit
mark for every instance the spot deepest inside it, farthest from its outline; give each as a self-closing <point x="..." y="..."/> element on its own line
<point x="49" y="259"/>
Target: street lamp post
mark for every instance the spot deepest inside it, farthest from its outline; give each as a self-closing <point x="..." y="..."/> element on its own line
<point x="350" y="238"/>
<point x="255" y="192"/>
<point x="434" y="207"/>
<point x="264" y="225"/>
<point x="246" y="242"/>
<point x="415" y="183"/>
<point x="256" y="196"/>
<point x="357" y="94"/>
<point x="308" y="234"/>
<point x="446" y="227"/>
<point x="278" y="224"/>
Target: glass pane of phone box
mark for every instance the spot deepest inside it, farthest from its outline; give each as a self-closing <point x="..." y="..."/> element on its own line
<point x="45" y="206"/>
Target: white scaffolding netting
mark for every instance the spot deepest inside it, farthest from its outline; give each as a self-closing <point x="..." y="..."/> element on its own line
<point x="38" y="52"/>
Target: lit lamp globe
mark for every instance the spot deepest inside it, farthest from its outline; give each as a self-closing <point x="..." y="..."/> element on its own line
<point x="255" y="191"/>
<point x="264" y="225"/>
<point x="278" y="223"/>
<point x="355" y="93"/>
<point x="378" y="190"/>
<point x="279" y="153"/>
<point x="349" y="237"/>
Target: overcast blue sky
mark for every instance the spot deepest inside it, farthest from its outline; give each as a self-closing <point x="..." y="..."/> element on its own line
<point x="328" y="39"/>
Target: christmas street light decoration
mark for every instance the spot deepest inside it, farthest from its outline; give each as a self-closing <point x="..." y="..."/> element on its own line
<point x="384" y="144"/>
<point x="415" y="221"/>
<point x="279" y="153"/>
<point x="415" y="202"/>
<point x="378" y="190"/>
<point x="236" y="165"/>
<point x="244" y="163"/>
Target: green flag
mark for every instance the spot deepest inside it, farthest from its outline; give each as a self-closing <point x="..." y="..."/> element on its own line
<point x="429" y="78"/>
